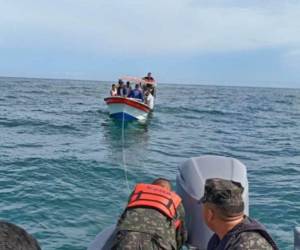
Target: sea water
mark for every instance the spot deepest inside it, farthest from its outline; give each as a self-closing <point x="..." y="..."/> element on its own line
<point x="61" y="161"/>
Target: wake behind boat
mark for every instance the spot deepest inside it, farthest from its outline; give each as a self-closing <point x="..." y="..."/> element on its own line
<point x="132" y="103"/>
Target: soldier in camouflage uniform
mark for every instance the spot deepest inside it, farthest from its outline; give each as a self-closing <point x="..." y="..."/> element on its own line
<point x="145" y="227"/>
<point x="223" y="208"/>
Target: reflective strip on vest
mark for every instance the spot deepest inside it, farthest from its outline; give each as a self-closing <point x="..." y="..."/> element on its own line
<point x="154" y="196"/>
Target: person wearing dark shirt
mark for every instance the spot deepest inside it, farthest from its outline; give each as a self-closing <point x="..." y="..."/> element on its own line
<point x="137" y="93"/>
<point x="121" y="91"/>
<point x="128" y="88"/>
<point x="223" y="213"/>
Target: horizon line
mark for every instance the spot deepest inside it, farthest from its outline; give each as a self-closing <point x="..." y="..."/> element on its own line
<point x="179" y="83"/>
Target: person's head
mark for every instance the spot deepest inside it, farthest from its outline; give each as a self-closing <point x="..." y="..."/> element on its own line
<point x="149" y="74"/>
<point x="222" y="202"/>
<point x="163" y="183"/>
<point x="137" y="86"/>
<point x="120" y="82"/>
<point x="113" y="86"/>
<point x="14" y="237"/>
<point x="128" y="84"/>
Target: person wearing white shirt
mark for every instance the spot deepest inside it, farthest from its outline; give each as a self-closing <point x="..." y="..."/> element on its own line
<point x="149" y="99"/>
<point x="113" y="91"/>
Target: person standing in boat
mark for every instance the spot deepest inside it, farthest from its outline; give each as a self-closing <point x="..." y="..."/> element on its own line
<point x="223" y="212"/>
<point x="153" y="219"/>
<point x="148" y="77"/>
<point x="149" y="99"/>
<point x="137" y="93"/>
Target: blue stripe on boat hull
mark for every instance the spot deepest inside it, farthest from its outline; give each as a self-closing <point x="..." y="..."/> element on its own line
<point x="119" y="116"/>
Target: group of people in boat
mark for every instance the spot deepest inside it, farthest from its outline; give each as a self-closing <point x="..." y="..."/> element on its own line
<point x="141" y="92"/>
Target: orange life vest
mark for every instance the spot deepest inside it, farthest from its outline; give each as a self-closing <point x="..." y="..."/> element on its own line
<point x="154" y="196"/>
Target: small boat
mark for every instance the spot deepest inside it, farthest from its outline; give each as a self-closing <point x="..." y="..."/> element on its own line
<point x="130" y="109"/>
<point x="127" y="109"/>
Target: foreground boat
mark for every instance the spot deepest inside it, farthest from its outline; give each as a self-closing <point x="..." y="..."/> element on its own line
<point x="190" y="183"/>
<point x="130" y="109"/>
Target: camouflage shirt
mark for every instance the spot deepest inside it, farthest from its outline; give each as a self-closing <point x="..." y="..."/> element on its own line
<point x="248" y="235"/>
<point x="151" y="221"/>
<point x="250" y="241"/>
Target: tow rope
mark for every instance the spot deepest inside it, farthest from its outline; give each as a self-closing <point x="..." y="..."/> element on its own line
<point x="124" y="154"/>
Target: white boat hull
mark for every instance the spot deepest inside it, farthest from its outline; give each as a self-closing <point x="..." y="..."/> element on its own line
<point x="127" y="109"/>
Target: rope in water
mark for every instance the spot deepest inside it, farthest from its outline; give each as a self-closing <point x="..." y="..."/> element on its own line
<point x="124" y="153"/>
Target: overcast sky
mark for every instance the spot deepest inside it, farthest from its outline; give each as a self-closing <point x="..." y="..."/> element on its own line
<point x="247" y="42"/>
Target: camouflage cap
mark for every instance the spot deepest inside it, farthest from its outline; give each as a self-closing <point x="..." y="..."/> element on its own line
<point x="224" y="193"/>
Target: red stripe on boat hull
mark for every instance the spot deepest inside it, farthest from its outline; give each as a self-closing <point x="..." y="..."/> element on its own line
<point x="129" y="102"/>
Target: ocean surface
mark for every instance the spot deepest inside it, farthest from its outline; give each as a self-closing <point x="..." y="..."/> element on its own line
<point x="62" y="176"/>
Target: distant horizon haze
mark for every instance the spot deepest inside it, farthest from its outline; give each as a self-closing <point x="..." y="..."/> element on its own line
<point x="223" y="83"/>
<point x="247" y="43"/>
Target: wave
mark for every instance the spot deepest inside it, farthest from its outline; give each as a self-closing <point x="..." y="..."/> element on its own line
<point x="185" y="110"/>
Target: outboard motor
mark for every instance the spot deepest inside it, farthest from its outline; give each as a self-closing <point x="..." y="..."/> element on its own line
<point x="190" y="184"/>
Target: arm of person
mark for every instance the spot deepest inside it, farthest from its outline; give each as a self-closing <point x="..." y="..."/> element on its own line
<point x="181" y="232"/>
<point x="142" y="97"/>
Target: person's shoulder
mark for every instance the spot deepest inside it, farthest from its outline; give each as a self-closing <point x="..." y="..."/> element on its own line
<point x="180" y="210"/>
<point x="253" y="240"/>
<point x="180" y="206"/>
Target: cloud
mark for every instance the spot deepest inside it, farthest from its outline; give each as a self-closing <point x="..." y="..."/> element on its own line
<point x="148" y="27"/>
